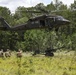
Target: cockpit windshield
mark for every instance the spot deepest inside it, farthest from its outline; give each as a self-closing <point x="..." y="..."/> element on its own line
<point x="60" y="18"/>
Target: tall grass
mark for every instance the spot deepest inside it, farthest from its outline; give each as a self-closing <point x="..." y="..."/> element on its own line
<point x="60" y="64"/>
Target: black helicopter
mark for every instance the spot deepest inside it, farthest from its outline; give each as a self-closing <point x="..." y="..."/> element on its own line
<point x="43" y="21"/>
<point x="39" y="22"/>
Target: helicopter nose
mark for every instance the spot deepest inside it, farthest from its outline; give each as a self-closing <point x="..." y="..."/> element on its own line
<point x="65" y="21"/>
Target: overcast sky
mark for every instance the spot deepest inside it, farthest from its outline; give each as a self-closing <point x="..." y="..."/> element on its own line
<point x="13" y="4"/>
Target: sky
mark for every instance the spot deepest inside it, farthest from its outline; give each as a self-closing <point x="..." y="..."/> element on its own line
<point x="13" y="4"/>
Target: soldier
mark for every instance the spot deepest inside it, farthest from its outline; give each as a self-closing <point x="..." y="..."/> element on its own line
<point x="19" y="53"/>
<point x="49" y="52"/>
<point x="1" y="53"/>
<point x="8" y="53"/>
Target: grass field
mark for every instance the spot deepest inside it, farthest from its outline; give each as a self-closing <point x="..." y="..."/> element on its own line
<point x="60" y="64"/>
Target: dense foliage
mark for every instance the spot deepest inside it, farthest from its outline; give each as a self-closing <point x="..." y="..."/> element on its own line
<point x="39" y="39"/>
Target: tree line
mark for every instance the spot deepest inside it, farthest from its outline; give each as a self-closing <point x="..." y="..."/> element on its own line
<point x="31" y="40"/>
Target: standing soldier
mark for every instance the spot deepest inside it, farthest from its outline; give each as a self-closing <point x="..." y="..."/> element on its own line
<point x="19" y="53"/>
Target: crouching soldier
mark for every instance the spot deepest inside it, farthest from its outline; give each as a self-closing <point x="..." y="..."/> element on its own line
<point x="49" y="52"/>
<point x="8" y="53"/>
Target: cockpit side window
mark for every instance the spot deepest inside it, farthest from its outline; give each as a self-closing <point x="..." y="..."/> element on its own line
<point x="59" y="18"/>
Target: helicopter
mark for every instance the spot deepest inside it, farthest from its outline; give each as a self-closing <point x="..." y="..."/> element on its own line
<point x="39" y="22"/>
<point x="43" y="21"/>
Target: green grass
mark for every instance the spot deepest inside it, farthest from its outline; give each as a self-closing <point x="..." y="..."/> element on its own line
<point x="60" y="64"/>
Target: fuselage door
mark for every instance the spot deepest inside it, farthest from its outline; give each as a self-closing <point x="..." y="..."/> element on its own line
<point x="50" y="21"/>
